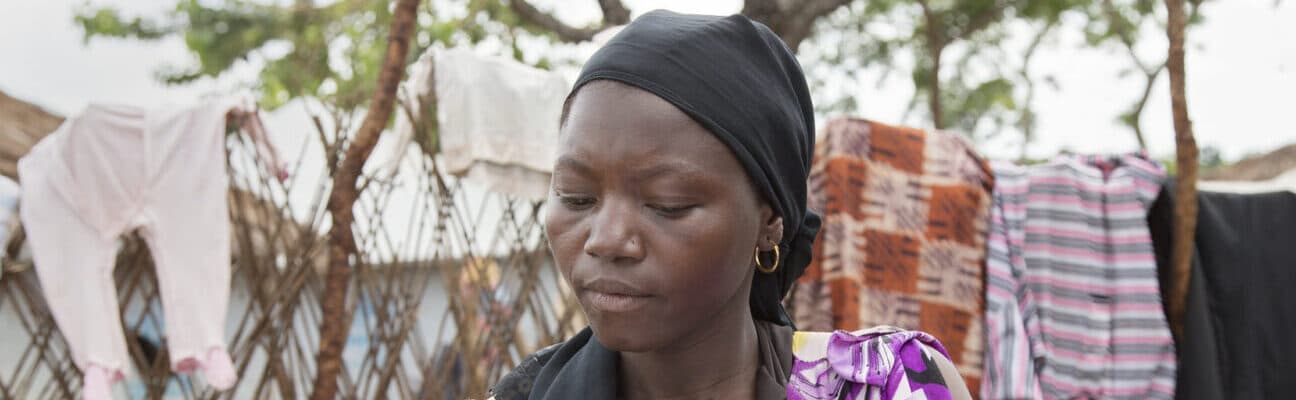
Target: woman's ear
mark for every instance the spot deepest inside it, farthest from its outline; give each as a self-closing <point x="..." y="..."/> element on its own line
<point x="771" y="230"/>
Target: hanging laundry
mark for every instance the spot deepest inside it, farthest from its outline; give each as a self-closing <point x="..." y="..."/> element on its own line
<point x="879" y="363"/>
<point x="903" y="238"/>
<point x="1073" y="308"/>
<point x="496" y="120"/>
<point x="1240" y="311"/>
<point x="248" y="118"/>
<point x="113" y="169"/>
<point x="1199" y="372"/>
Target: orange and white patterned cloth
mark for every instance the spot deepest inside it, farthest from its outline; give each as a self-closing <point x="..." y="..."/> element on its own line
<point x="903" y="240"/>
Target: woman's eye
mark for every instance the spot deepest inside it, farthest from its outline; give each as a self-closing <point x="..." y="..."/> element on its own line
<point x="671" y="210"/>
<point x="577" y="202"/>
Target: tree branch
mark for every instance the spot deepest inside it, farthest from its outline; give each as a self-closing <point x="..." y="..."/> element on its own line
<point x="342" y="246"/>
<point x="1027" y="120"/>
<point x="1122" y="31"/>
<point x="818" y="8"/>
<point x="935" y="46"/>
<point x="614" y="13"/>
<point x="1186" y="163"/>
<point x="982" y="20"/>
<point x="1116" y="23"/>
<point x="1136" y="117"/>
<point x="793" y="21"/>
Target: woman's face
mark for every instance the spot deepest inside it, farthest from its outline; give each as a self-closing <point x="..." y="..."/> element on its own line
<point x="651" y="220"/>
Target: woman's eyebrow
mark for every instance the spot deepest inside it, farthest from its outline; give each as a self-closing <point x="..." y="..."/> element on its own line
<point x="675" y="168"/>
<point x="571" y="163"/>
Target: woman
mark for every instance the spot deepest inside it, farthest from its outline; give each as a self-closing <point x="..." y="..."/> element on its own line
<point x="678" y="215"/>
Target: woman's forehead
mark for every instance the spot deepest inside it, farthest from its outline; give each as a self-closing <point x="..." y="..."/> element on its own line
<point x="647" y="170"/>
<point x="611" y="102"/>
<point x="617" y="126"/>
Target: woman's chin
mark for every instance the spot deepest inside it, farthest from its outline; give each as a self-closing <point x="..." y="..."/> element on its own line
<point x="624" y="337"/>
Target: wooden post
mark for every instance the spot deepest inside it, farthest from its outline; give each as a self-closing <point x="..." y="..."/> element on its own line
<point x="1186" y="162"/>
<point x="342" y="247"/>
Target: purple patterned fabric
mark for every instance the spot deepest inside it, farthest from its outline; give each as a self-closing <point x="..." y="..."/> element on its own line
<point x="868" y="365"/>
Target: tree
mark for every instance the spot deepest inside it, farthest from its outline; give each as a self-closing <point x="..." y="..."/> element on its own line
<point x="333" y="53"/>
<point x="374" y="68"/>
<point x="342" y="244"/>
<point x="791" y="20"/>
<point x="1186" y="158"/>
<point x="1121" y="22"/>
<point x="329" y="52"/>
<point x="954" y="51"/>
<point x="959" y="68"/>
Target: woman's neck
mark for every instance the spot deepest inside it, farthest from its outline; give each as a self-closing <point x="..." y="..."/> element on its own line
<point x="719" y="361"/>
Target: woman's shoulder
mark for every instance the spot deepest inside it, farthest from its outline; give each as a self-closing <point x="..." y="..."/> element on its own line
<point x="888" y="360"/>
<point x="516" y="385"/>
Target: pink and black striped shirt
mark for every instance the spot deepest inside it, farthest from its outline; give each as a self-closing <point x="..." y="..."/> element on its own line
<point x="1073" y="307"/>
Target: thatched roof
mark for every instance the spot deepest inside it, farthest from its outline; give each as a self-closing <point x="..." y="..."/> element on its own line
<point x="1259" y="168"/>
<point x="22" y="124"/>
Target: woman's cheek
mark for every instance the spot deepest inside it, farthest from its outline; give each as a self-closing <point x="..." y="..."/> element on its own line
<point x="557" y="220"/>
<point x="702" y="248"/>
<point x="561" y="226"/>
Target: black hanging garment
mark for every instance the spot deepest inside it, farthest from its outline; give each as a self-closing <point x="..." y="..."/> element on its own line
<point x="1239" y="339"/>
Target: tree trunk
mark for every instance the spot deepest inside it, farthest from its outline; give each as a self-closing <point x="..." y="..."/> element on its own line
<point x="935" y="46"/>
<point x="342" y="247"/>
<point x="934" y="94"/>
<point x="1186" y="161"/>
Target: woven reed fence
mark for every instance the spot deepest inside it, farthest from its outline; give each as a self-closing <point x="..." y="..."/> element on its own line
<point x="453" y="286"/>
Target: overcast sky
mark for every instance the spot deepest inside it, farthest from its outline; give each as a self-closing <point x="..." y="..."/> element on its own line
<point x="1241" y="68"/>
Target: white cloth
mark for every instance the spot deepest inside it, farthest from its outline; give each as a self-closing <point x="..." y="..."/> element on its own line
<point x="498" y="118"/>
<point x="113" y="169"/>
<point x="1282" y="183"/>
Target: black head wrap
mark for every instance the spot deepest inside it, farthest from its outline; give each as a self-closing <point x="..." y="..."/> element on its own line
<point x="739" y="80"/>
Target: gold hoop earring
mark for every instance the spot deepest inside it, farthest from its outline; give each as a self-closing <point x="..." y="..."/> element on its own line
<point x="771" y="268"/>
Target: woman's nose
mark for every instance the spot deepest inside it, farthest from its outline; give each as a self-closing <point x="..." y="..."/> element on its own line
<point x="614" y="235"/>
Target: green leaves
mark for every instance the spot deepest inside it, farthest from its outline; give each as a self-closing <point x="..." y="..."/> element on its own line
<point x="977" y="83"/>
<point x="332" y="52"/>
<point x="108" y="22"/>
<point x="983" y="81"/>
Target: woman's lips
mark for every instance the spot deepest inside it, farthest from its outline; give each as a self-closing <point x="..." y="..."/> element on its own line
<point x="613" y="296"/>
<point x="612" y="302"/>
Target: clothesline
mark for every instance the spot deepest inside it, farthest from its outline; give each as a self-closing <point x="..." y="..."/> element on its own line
<point x="1075" y="292"/>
